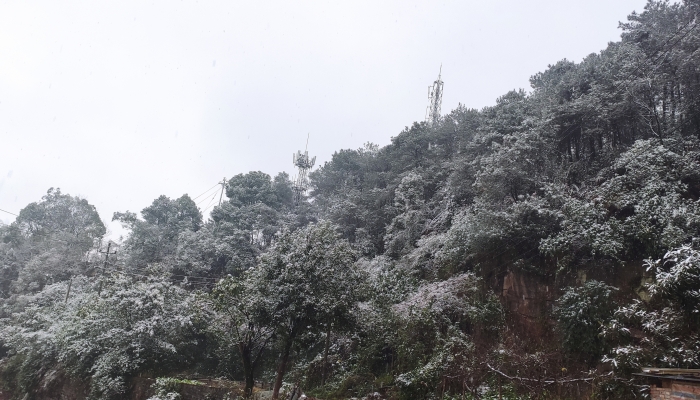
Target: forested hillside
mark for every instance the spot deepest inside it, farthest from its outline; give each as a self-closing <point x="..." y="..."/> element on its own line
<point x="548" y="245"/>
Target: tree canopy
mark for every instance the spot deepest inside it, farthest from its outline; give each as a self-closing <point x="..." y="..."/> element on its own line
<point x="546" y="246"/>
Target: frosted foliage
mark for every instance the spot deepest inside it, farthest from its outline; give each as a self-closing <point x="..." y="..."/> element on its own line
<point x="409" y="193"/>
<point x="651" y="337"/>
<point x="580" y="312"/>
<point x="456" y="299"/>
<point x="483" y="228"/>
<point x="678" y="278"/>
<point x="238" y="319"/>
<point x="308" y="277"/>
<point x="423" y="258"/>
<point x="101" y="337"/>
<point x="448" y="296"/>
<point x="454" y="356"/>
<point x="664" y="331"/>
<point x="641" y="201"/>
<point x="47" y="243"/>
<point x="154" y="239"/>
<point x="438" y="326"/>
<point x="406" y="227"/>
<point x="514" y="168"/>
<point x="166" y="389"/>
<point x="387" y="282"/>
<point x="586" y="226"/>
<point x="306" y="282"/>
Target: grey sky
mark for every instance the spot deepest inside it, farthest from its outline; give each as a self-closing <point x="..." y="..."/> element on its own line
<point x="120" y="102"/>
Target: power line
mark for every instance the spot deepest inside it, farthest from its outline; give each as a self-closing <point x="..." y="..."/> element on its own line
<point x="193" y="280"/>
<point x="205" y="199"/>
<point x="144" y="270"/>
<point x="210" y="202"/>
<point x="9" y="212"/>
<point x="205" y="210"/>
<point x="204" y="282"/>
<point x="194" y="284"/>
<point x="208" y="190"/>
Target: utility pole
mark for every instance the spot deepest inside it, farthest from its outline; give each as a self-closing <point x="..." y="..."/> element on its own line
<point x="104" y="266"/>
<point x="70" y="282"/>
<point x="223" y="187"/>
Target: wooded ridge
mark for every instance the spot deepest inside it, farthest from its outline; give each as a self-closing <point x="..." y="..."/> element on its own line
<point x="545" y="246"/>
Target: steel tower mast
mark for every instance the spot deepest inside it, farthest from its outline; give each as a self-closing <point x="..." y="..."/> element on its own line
<point x="304" y="165"/>
<point x="432" y="114"/>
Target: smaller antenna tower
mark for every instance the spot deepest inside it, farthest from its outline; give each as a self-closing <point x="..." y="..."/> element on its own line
<point x="304" y="164"/>
<point x="432" y="114"/>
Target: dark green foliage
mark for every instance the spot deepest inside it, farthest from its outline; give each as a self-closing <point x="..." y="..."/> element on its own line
<point x="251" y="188"/>
<point x="242" y="227"/>
<point x="580" y="313"/>
<point x="58" y="212"/>
<point x="155" y="238"/>
<point x="178" y="215"/>
<point x="282" y="187"/>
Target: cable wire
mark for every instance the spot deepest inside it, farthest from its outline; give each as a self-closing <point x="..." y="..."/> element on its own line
<point x="210" y="201"/>
<point x="207" y="191"/>
<point x="9" y="212"/>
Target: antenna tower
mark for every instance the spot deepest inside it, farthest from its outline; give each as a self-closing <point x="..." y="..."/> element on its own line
<point x="432" y="114"/>
<point x="304" y="165"/>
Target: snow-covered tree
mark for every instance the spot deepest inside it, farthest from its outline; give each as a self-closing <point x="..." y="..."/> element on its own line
<point x="239" y="319"/>
<point x="48" y="242"/>
<point x="661" y="332"/>
<point x="104" y="338"/>
<point x="155" y="237"/>
<point x="581" y="312"/>
<point x="308" y="281"/>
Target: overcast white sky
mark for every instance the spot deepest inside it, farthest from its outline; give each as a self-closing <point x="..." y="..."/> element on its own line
<point x="120" y="102"/>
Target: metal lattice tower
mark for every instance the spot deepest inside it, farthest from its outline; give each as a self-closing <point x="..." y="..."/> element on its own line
<point x="304" y="165"/>
<point x="432" y="114"/>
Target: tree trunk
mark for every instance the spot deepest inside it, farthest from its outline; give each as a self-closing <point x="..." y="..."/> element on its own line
<point x="247" y="370"/>
<point x="281" y="369"/>
<point x="324" y="371"/>
<point x="500" y="395"/>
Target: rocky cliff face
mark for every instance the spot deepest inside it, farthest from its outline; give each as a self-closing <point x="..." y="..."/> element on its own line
<point x="530" y="297"/>
<point x="526" y="295"/>
<point x="57" y="385"/>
